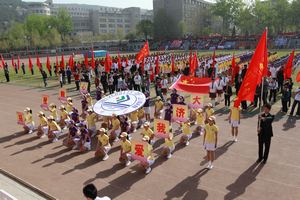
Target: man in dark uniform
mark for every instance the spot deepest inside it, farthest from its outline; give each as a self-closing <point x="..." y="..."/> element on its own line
<point x="23" y="68"/>
<point x="6" y="72"/>
<point x="265" y="133"/>
<point x="104" y="82"/>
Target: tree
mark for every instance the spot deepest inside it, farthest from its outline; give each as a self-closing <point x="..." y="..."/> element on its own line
<point x="63" y="23"/>
<point x="294" y="15"/>
<point x="130" y="36"/>
<point x="145" y="27"/>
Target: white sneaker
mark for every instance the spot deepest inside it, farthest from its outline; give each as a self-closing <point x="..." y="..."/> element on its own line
<point x="55" y="140"/>
<point x="148" y="170"/>
<point x="187" y="143"/>
<point x="169" y="156"/>
<point x="235" y="140"/>
<point x="208" y="166"/>
<point x="211" y="166"/>
<point x="105" y="157"/>
<point x="128" y="163"/>
<point x="30" y="131"/>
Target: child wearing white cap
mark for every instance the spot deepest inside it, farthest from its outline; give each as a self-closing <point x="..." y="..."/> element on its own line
<point x="149" y="156"/>
<point x="43" y="126"/>
<point x="210" y="140"/>
<point x="54" y="129"/>
<point x="103" y="145"/>
<point x="91" y="122"/>
<point x="169" y="146"/>
<point x="29" y="123"/>
<point x="200" y="121"/>
<point x="125" y="149"/>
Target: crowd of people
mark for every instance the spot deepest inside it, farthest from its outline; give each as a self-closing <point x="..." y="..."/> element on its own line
<point x="82" y="127"/>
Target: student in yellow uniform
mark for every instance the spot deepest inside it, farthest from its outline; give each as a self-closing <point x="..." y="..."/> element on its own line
<point x="141" y="115"/>
<point x="149" y="156"/>
<point x="116" y="128"/>
<point x="89" y="100"/>
<point x="91" y="122"/>
<point x="169" y="146"/>
<point x="125" y="149"/>
<point x="54" y="129"/>
<point x="147" y="131"/>
<point x="134" y="118"/>
<point x="64" y="117"/>
<point x="234" y="120"/>
<point x="200" y="121"/>
<point x="69" y="105"/>
<point x="29" y="123"/>
<point x="187" y="132"/>
<point x="53" y="112"/>
<point x="103" y="145"/>
<point x="209" y="111"/>
<point x="43" y="126"/>
<point x="158" y="107"/>
<point x="210" y="140"/>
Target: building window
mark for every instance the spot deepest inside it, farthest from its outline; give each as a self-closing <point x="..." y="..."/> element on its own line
<point x="103" y="25"/>
<point x="111" y="25"/>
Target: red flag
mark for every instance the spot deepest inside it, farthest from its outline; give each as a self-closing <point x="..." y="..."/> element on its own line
<point x="119" y="62"/>
<point x="157" y="65"/>
<point x="255" y="72"/>
<point x="30" y="65"/>
<point x="71" y="62"/>
<point x="289" y="66"/>
<point x="62" y="62"/>
<point x="86" y="60"/>
<point x="173" y="63"/>
<point x="108" y="62"/>
<point x="12" y="61"/>
<point x="194" y="65"/>
<point x="2" y="61"/>
<point x="48" y="63"/>
<point x="93" y="59"/>
<point x="214" y="59"/>
<point x="38" y="62"/>
<point x="19" y="63"/>
<point x="191" y="58"/>
<point x="56" y="63"/>
<point x="298" y="77"/>
<point x="233" y="69"/>
<point x="143" y="53"/>
<point x="190" y="84"/>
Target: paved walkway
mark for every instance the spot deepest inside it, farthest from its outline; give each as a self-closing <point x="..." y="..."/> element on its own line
<point x="62" y="173"/>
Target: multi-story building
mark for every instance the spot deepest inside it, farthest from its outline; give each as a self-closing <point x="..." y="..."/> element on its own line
<point x="182" y="10"/>
<point x="92" y="19"/>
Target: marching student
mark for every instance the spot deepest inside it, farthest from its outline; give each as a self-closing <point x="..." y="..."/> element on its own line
<point x="69" y="105"/>
<point x="53" y="112"/>
<point x="54" y="129"/>
<point x="147" y="106"/>
<point x="169" y="146"/>
<point x="200" y="117"/>
<point x="43" y="126"/>
<point x="91" y="122"/>
<point x="213" y="91"/>
<point x="116" y="129"/>
<point x="158" y="107"/>
<point x="187" y="133"/>
<point x="273" y="86"/>
<point x="29" y="123"/>
<point x="64" y="117"/>
<point x="234" y="120"/>
<point x="227" y="94"/>
<point x="286" y="96"/>
<point x="125" y="149"/>
<point x="150" y="158"/>
<point x="134" y="120"/>
<point x="103" y="145"/>
<point x="295" y="103"/>
<point x="141" y="116"/>
<point x="220" y="87"/>
<point x="210" y="140"/>
<point x="147" y="131"/>
<point x="85" y="139"/>
<point x="209" y="111"/>
<point x="174" y="96"/>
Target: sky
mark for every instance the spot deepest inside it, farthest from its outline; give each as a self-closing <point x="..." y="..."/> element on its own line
<point x="146" y="4"/>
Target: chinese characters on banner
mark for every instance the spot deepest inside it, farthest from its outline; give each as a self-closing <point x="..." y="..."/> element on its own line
<point x="45" y="101"/>
<point x="197" y="101"/>
<point x="62" y="95"/>
<point x="139" y="151"/>
<point x="161" y="128"/>
<point x="83" y="88"/>
<point x="180" y="112"/>
<point x="20" y="118"/>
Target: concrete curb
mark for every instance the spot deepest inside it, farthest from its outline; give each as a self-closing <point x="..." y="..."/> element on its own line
<point x="27" y="185"/>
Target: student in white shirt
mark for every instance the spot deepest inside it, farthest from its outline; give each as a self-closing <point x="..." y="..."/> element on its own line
<point x="295" y="103"/>
<point x="213" y="92"/>
<point x="273" y="86"/>
<point x="137" y="81"/>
